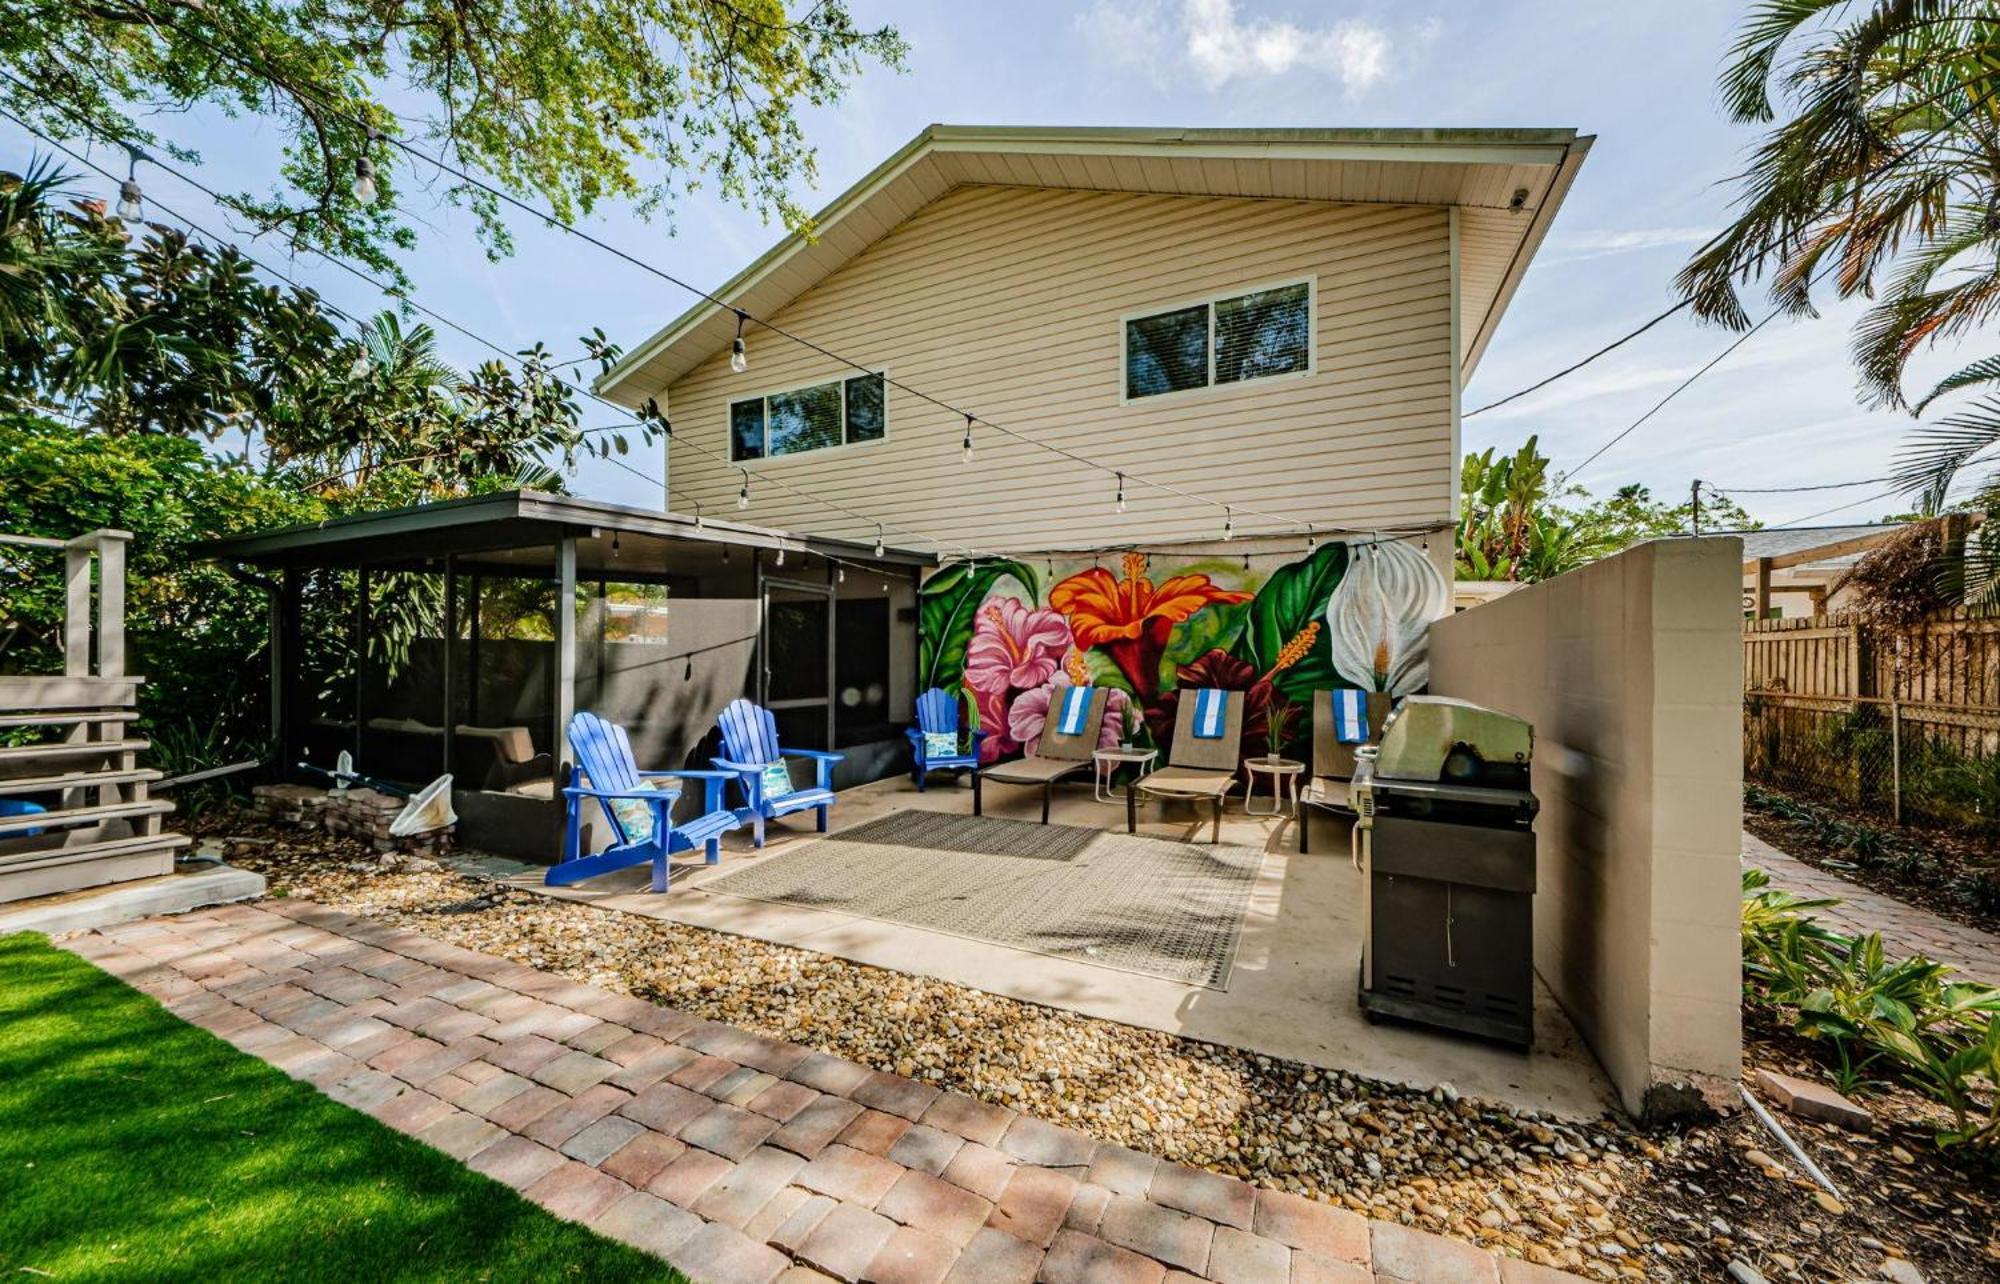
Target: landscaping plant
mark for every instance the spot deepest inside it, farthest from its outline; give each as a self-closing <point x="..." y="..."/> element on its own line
<point x="1900" y="1017"/>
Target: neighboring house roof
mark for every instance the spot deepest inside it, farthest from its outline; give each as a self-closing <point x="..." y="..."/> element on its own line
<point x="1476" y="170"/>
<point x="1832" y="547"/>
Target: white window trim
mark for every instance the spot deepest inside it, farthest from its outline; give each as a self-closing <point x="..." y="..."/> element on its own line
<point x="729" y="421"/>
<point x="1311" y="282"/>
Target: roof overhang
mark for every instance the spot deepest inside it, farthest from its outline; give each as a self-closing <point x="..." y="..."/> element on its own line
<point x="1478" y="171"/>
<point x="498" y="528"/>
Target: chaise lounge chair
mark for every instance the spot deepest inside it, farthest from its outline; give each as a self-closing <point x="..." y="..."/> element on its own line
<point x="1058" y="753"/>
<point x="1207" y="750"/>
<point x="1332" y="779"/>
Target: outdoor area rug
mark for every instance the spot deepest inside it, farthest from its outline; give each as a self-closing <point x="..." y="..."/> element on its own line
<point x="1150" y="905"/>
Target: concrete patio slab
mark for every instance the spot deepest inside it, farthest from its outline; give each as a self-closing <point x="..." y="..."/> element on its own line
<point x="1292" y="993"/>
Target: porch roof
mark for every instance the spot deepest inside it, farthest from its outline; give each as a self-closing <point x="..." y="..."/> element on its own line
<point x="517" y="531"/>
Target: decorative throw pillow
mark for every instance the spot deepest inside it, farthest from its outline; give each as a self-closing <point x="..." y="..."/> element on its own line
<point x="635" y="815"/>
<point x="777" y="781"/>
<point x="940" y="744"/>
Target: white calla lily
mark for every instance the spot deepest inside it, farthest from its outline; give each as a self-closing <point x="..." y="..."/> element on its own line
<point x="1379" y="617"/>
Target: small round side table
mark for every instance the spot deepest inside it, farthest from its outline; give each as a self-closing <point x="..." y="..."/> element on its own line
<point x="1106" y="762"/>
<point x="1284" y="774"/>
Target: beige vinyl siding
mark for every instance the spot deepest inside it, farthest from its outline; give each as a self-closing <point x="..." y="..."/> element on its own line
<point x="1006" y="301"/>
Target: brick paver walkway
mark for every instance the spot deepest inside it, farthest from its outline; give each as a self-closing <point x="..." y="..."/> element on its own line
<point x="732" y="1155"/>
<point x="1904" y="928"/>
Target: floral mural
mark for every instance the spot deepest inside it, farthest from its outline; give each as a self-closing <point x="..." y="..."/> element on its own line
<point x="1350" y="614"/>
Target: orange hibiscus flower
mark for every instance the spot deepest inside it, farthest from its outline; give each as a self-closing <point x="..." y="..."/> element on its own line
<point x="1131" y="617"/>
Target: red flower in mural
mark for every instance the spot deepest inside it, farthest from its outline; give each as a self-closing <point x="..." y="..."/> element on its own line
<point x="1130" y="617"/>
<point x="1224" y="672"/>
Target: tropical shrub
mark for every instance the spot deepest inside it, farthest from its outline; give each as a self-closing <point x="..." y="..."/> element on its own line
<point x="1880" y="1016"/>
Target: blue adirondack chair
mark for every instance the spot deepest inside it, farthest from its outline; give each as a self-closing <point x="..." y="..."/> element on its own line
<point x="604" y="757"/>
<point x="750" y="747"/>
<point x="938" y="714"/>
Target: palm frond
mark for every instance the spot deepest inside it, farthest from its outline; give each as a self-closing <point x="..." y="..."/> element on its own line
<point x="1934" y="453"/>
<point x="1985" y="370"/>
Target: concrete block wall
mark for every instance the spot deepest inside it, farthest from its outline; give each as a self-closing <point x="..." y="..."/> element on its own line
<point x="1631" y="671"/>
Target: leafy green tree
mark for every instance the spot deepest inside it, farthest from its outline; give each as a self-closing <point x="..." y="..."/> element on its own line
<point x="1881" y="178"/>
<point x="1520" y="521"/>
<point x="568" y="104"/>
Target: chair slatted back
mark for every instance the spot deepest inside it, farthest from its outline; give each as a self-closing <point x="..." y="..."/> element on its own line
<point x="1332" y="756"/>
<point x="1219" y="754"/>
<point x="937" y="712"/>
<point x="604" y="756"/>
<point x="1079" y="747"/>
<point x="749" y="734"/>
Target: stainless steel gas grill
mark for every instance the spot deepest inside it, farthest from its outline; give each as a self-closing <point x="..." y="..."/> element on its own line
<point x="1446" y="843"/>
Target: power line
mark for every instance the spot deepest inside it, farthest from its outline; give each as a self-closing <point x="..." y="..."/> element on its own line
<point x="1792" y="490"/>
<point x="1572" y="369"/>
<point x="553" y="220"/>
<point x="1679" y="388"/>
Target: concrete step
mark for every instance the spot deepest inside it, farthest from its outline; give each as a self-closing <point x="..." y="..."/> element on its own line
<point x="76" y="780"/>
<point x="71" y="817"/>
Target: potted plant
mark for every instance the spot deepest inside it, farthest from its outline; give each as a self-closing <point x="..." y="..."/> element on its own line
<point x="1278" y="720"/>
<point x="1127" y="721"/>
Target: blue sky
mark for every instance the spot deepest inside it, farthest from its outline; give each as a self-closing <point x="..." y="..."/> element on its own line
<point x="1780" y="411"/>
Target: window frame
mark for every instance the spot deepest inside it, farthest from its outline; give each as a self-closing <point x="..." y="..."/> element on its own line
<point x="1208" y="302"/>
<point x="729" y="405"/>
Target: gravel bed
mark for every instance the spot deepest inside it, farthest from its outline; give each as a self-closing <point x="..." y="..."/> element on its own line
<point x="1600" y="1198"/>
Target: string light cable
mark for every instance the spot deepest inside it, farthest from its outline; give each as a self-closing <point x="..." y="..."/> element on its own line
<point x="738" y="361"/>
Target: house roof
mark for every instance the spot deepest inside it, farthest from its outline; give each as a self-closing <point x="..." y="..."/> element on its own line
<point x="1843" y="545"/>
<point x="519" y="528"/>
<point x="1479" y="171"/>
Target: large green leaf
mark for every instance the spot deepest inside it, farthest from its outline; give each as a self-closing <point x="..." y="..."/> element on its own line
<point x="1294" y="597"/>
<point x="1216" y="627"/>
<point x="946" y="607"/>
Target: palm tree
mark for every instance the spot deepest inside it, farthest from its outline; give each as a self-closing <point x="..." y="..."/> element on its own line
<point x="1884" y="181"/>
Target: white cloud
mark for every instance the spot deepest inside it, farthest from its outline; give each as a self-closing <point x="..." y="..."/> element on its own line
<point x="1568" y="247"/>
<point x="1211" y="41"/>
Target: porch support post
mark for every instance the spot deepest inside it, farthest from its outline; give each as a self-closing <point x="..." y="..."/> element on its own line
<point x="1763" y="599"/>
<point x="447" y="666"/>
<point x="111" y="602"/>
<point x="76" y="609"/>
<point x="360" y="655"/>
<point x="565" y="660"/>
<point x="287" y="656"/>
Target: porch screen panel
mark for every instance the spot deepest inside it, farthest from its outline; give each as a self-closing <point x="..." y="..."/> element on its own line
<point x="808" y="419"/>
<point x="1167" y="352"/>
<point x="1265" y="333"/>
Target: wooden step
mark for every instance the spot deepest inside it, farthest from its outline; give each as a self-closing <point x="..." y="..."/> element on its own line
<point x="58" y="692"/>
<point x="76" y="780"/>
<point x="68" y="749"/>
<point x="46" y="871"/>
<point x="66" y="818"/>
<point x="66" y="719"/>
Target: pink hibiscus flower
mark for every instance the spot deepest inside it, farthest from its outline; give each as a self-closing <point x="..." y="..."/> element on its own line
<point x="1030" y="714"/>
<point x="1014" y="646"/>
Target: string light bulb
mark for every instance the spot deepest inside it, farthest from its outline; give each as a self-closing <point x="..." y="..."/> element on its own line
<point x="364" y="188"/>
<point x="965" y="447"/>
<point x="781" y="556"/>
<point x="1228" y="524"/>
<point x="131" y="201"/>
<point x="1121" y="492"/>
<point x="739" y="356"/>
<point x="878" y="539"/>
<point x="840" y="575"/>
<point x="743" y="494"/>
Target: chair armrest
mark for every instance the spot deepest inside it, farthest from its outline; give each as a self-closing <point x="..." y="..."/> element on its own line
<point x="822" y="755"/>
<point x="711" y="784"/>
<point x="640" y="795"/>
<point x="690" y="774"/>
<point x="738" y="768"/>
<point x="916" y="736"/>
<point x="978" y="736"/>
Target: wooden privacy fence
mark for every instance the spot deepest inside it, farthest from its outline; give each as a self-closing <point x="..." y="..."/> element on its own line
<point x="1899" y="722"/>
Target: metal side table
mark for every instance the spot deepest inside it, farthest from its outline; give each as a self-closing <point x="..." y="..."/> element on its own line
<point x="1284" y="774"/>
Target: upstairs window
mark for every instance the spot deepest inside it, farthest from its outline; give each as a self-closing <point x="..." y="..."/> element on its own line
<point x="823" y="415"/>
<point x="1221" y="340"/>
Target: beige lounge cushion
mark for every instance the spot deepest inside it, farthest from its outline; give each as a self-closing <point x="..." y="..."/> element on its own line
<point x="1190" y="781"/>
<point x="1032" y="771"/>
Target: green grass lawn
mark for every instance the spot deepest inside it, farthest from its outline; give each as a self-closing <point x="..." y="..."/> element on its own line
<point x="134" y="1146"/>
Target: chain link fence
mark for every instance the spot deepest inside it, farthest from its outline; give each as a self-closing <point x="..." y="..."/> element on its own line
<point x="1909" y="762"/>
